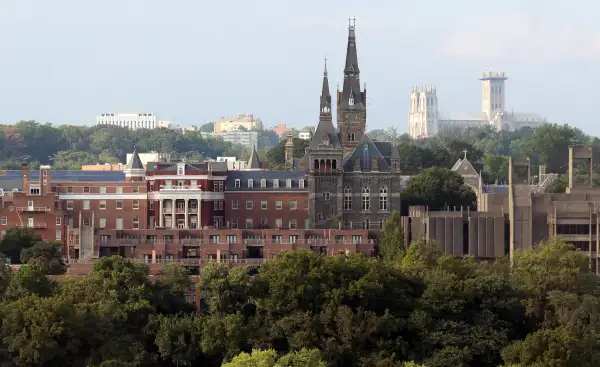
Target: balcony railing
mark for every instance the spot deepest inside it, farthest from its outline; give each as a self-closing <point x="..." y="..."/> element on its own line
<point x="180" y="188"/>
<point x="185" y="261"/>
<point x="225" y="241"/>
<point x="33" y="208"/>
<point x="35" y="225"/>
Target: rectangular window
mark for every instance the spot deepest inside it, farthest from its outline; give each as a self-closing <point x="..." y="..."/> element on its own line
<point x="102" y="205"/>
<point x="119" y="204"/>
<point x="151" y="185"/>
<point x="234" y="204"/>
<point x="119" y="190"/>
<point x="4" y="221"/>
<point x="236" y="183"/>
<point x="103" y="189"/>
<point x="234" y="223"/>
<point x="249" y="204"/>
<point x="231" y="239"/>
<point x="263" y="205"/>
<point x="135" y="204"/>
<point x="86" y="221"/>
<point x="58" y="236"/>
<point x="278" y="205"/>
<point x="276" y="183"/>
<point x="135" y="223"/>
<point x="86" y="189"/>
<point x="278" y="223"/>
<point x="250" y="183"/>
<point x="293" y="225"/>
<point x="288" y="183"/>
<point x="301" y="184"/>
<point x="58" y="221"/>
<point x="293" y="205"/>
<point x="215" y="186"/>
<point x="221" y="205"/>
<point x="86" y="205"/>
<point x="119" y="224"/>
<point x="69" y="189"/>
<point x="30" y="203"/>
<point x="215" y="205"/>
<point x="326" y="196"/>
<point x="366" y="202"/>
<point x="248" y="223"/>
<point x="151" y="205"/>
<point x="136" y="189"/>
<point x="69" y="204"/>
<point x="102" y="223"/>
<point x="264" y="222"/>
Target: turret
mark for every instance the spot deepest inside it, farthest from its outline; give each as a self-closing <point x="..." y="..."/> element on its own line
<point x="134" y="169"/>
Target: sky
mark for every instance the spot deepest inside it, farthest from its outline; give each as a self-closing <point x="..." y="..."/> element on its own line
<point x="191" y="61"/>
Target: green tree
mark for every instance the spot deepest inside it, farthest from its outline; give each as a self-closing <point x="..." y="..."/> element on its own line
<point x="17" y="239"/>
<point x="391" y="242"/>
<point x="48" y="255"/>
<point x="438" y="189"/>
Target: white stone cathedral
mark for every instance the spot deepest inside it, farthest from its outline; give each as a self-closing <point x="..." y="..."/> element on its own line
<point x="425" y="120"/>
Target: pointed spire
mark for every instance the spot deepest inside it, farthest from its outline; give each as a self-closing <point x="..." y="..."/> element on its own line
<point x="254" y="161"/>
<point x="325" y="106"/>
<point x="134" y="162"/>
<point x="351" y="68"/>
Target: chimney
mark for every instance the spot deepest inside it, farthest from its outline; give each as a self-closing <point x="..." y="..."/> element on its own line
<point x="25" y="179"/>
<point x="289" y="152"/>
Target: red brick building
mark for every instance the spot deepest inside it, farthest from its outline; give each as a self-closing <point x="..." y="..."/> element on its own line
<point x="171" y="212"/>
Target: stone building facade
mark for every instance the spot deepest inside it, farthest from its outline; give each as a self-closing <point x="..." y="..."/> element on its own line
<point x="353" y="182"/>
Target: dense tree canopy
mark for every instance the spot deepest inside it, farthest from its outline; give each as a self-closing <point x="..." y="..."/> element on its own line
<point x="411" y="307"/>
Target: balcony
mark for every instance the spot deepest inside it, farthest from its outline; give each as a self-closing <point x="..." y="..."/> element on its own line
<point x="34" y="225"/>
<point x="179" y="188"/>
<point x="41" y="209"/>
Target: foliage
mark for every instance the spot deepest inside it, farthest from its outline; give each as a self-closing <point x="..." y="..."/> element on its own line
<point x="46" y="254"/>
<point x="438" y="189"/>
<point x="276" y="155"/>
<point x="17" y="239"/>
<point x="391" y="242"/>
<point x="416" y="308"/>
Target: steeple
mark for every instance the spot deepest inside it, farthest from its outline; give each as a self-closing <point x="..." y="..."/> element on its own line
<point x="351" y="69"/>
<point x="325" y="107"/>
<point x="351" y="101"/>
<point x="134" y="169"/>
<point x="254" y="161"/>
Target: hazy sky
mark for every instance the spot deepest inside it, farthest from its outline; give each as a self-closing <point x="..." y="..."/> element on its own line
<point x="191" y="61"/>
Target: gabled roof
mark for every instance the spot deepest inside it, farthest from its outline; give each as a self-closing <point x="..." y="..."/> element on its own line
<point x="365" y="151"/>
<point x="464" y="167"/>
<point x="135" y="162"/>
<point x="254" y="161"/>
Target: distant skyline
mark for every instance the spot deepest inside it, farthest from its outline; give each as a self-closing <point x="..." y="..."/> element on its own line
<point x="191" y="62"/>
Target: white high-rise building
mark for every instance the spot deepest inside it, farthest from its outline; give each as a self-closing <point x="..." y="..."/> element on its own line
<point x="425" y="120"/>
<point x="130" y="120"/>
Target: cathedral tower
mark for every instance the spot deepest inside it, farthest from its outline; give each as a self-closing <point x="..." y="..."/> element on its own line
<point x="351" y="101"/>
<point x="423" y="113"/>
<point x="492" y="93"/>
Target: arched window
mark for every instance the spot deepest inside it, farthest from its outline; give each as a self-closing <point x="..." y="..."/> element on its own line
<point x="347" y="198"/>
<point x="316" y="164"/>
<point x="365" y="199"/>
<point x="352" y="137"/>
<point x="334" y="164"/>
<point x="383" y="198"/>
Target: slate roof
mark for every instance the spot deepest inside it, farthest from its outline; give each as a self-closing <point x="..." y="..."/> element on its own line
<point x="135" y="162"/>
<point x="464" y="167"/>
<point x="365" y="151"/>
<point x="12" y="179"/>
<point x="254" y="161"/>
<point x="199" y="166"/>
<point x="269" y="176"/>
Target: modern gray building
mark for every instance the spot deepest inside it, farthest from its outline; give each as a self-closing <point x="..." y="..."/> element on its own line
<point x="353" y="182"/>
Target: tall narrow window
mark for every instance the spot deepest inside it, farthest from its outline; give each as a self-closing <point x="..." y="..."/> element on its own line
<point x="383" y="198"/>
<point x="365" y="198"/>
<point x="348" y="198"/>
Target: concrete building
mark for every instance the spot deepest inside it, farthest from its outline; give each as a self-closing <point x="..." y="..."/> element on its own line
<point x="282" y="129"/>
<point x="129" y="120"/>
<point x="248" y="139"/>
<point x="425" y="118"/>
<point x="305" y="135"/>
<point x="246" y="121"/>
<point x="145" y="158"/>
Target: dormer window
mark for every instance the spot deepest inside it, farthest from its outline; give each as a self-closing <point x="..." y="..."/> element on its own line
<point x="237" y="183"/>
<point x="301" y="184"/>
<point x="250" y="183"/>
<point x="351" y="100"/>
<point x="180" y="169"/>
<point x="326" y="140"/>
<point x="276" y="183"/>
<point x="289" y="183"/>
<point x="325" y="109"/>
<point x="263" y="183"/>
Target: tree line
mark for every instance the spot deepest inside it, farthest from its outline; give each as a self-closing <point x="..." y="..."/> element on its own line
<point x="69" y="146"/>
<point x="410" y="306"/>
